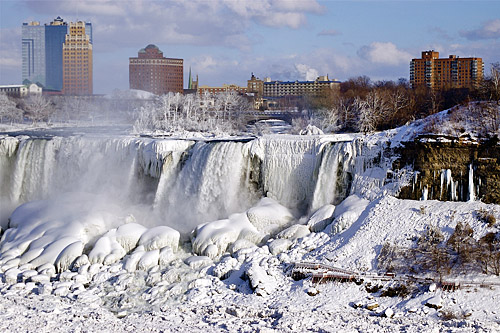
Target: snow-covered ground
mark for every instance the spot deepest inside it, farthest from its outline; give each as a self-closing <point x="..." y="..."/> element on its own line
<point x="186" y="298"/>
<point x="124" y="234"/>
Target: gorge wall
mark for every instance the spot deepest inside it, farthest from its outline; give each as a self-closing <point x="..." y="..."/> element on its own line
<point x="451" y="169"/>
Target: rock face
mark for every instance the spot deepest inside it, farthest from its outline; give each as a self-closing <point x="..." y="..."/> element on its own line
<point x="451" y="169"/>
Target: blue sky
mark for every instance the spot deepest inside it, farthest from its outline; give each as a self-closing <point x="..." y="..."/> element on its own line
<point x="224" y="41"/>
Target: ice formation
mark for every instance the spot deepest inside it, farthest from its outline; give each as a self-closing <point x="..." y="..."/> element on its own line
<point x="113" y="199"/>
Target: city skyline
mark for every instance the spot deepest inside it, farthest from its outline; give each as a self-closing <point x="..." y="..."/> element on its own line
<point x="225" y="41"/>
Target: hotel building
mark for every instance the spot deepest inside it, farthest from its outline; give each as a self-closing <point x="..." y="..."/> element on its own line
<point x="77" y="61"/>
<point x="152" y="72"/>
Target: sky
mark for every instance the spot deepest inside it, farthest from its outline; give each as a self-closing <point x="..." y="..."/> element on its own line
<point x="225" y="41"/>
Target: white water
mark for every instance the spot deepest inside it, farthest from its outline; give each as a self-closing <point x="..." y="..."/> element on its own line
<point x="180" y="183"/>
<point x="183" y="183"/>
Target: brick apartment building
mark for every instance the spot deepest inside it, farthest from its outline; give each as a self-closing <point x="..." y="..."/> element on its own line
<point x="442" y="73"/>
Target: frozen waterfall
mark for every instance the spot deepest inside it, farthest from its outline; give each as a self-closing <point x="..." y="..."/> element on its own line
<point x="181" y="183"/>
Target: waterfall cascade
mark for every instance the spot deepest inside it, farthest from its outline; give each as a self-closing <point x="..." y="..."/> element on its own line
<point x="183" y="182"/>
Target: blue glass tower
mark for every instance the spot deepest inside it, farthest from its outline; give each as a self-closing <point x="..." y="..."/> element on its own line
<point x="33" y="53"/>
<point x="55" y="33"/>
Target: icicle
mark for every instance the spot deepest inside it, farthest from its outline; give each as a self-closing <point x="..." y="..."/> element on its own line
<point x="424" y="194"/>
<point x="441" y="186"/>
<point x="472" y="196"/>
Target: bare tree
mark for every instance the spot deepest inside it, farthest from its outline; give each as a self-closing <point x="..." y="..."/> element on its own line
<point x="8" y="110"/>
<point x="38" y="108"/>
<point x="366" y="120"/>
<point x="495" y="81"/>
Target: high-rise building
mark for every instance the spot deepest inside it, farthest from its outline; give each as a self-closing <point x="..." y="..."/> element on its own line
<point x="152" y="72"/>
<point x="55" y="34"/>
<point x="42" y="53"/>
<point x="442" y="73"/>
<point x="77" y="61"/>
<point x="33" y="53"/>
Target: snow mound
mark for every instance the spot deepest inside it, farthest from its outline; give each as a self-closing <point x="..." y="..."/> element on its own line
<point x="214" y="238"/>
<point x="159" y="237"/>
<point x="59" y="230"/>
<point x="321" y="218"/>
<point x="269" y="216"/>
<point x="346" y="213"/>
<point x="53" y="230"/>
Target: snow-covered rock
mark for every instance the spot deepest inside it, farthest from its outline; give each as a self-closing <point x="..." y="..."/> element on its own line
<point x="196" y="262"/>
<point x="294" y="232"/>
<point x="277" y="246"/>
<point x="148" y="260"/>
<point x="346" y="213"/>
<point x="260" y="281"/>
<point x="321" y="218"/>
<point x="159" y="237"/>
<point x="219" y="235"/>
<point x="68" y="256"/>
<point x="268" y="216"/>
<point x="435" y="302"/>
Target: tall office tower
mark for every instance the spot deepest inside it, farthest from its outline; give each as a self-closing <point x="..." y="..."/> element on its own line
<point x="77" y="61"/>
<point x="33" y="53"/>
<point x="443" y="73"/>
<point x="55" y="34"/>
<point x="152" y="72"/>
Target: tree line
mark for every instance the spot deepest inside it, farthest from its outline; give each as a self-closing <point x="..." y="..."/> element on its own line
<point x="364" y="106"/>
<point x="359" y="105"/>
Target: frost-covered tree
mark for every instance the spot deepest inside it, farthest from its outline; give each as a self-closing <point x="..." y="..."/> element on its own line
<point x="366" y="120"/>
<point x="495" y="81"/>
<point x="38" y="108"/>
<point x="8" y="110"/>
<point x="205" y="113"/>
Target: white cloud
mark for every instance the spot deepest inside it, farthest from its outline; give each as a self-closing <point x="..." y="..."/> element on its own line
<point x="489" y="30"/>
<point x="275" y="13"/>
<point x="223" y="23"/>
<point x="384" y="53"/>
<point x="306" y="73"/>
<point x="10" y="47"/>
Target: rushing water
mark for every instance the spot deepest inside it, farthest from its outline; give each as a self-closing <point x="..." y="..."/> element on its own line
<point x="181" y="183"/>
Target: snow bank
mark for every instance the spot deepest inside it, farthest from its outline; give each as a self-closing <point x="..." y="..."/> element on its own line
<point x="267" y="217"/>
<point x="388" y="219"/>
<point x="321" y="218"/>
<point x="346" y="213"/>
<point x="59" y="230"/>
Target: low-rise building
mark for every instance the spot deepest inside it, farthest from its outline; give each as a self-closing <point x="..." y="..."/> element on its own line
<point x="21" y="90"/>
<point x="224" y="88"/>
<point x="298" y="88"/>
